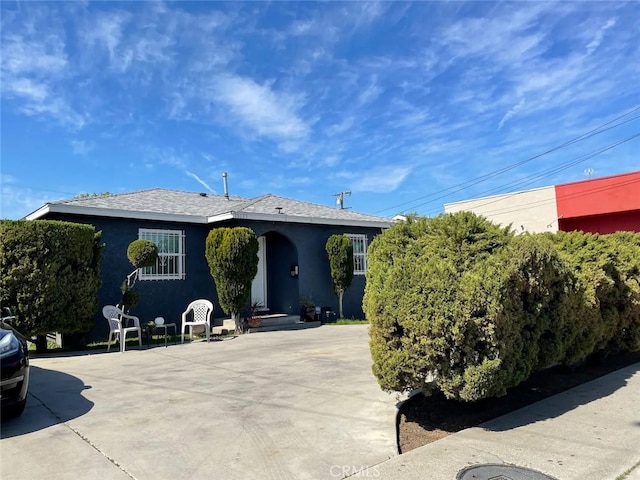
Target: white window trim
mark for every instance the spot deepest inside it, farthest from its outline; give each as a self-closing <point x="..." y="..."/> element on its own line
<point x="359" y="237"/>
<point x="180" y="274"/>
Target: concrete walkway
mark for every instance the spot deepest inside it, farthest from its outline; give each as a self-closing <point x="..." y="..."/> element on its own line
<point x="289" y="405"/>
<point x="277" y="405"/>
<point x="591" y="432"/>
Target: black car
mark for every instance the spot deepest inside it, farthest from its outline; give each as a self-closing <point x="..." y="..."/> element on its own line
<point x="14" y="366"/>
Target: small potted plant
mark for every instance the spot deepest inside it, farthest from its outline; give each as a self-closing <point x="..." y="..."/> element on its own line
<point x="307" y="309"/>
<point x="254" y="321"/>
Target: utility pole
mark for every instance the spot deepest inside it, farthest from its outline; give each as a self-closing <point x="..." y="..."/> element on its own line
<point x="340" y="199"/>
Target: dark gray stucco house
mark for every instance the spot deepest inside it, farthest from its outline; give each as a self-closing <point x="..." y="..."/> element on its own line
<point x="292" y="236"/>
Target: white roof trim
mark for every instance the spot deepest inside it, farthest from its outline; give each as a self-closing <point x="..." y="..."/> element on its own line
<point x="41" y="212"/>
<point x="281" y="217"/>
<point x="141" y="215"/>
<point x="220" y="217"/>
<point x="107" y="212"/>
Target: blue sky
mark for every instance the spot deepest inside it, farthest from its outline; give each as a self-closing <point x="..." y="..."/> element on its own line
<point x="403" y="104"/>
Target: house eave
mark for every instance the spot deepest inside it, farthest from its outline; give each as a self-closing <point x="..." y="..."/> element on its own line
<point x="223" y="217"/>
<point x="51" y="208"/>
<point x="284" y="218"/>
<point x="113" y="213"/>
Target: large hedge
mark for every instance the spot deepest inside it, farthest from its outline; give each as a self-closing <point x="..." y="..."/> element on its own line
<point x="462" y="305"/>
<point x="232" y="255"/>
<point x="412" y="296"/>
<point x="608" y="269"/>
<point x="50" y="275"/>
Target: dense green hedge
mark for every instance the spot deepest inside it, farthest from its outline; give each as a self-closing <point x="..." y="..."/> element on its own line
<point x="462" y="302"/>
<point x="608" y="268"/>
<point x="49" y="275"/>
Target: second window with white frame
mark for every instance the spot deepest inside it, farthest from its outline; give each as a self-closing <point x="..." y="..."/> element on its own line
<point x="359" y="242"/>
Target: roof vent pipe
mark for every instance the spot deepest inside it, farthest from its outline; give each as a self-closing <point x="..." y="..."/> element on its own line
<point x="226" y="186"/>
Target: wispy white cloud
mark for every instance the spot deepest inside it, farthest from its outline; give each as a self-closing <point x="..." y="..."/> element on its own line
<point x="331" y="161"/>
<point x="23" y="55"/>
<point x="344" y="125"/>
<point x="106" y="30"/>
<point x="34" y="68"/>
<point x="381" y="179"/>
<point x="597" y="40"/>
<point x="81" y="147"/>
<point x="30" y="90"/>
<point x="266" y="111"/>
<point x="200" y="181"/>
<point x="511" y="113"/>
<point x="370" y="93"/>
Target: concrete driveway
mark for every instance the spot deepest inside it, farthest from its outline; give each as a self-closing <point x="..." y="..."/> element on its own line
<point x="277" y="405"/>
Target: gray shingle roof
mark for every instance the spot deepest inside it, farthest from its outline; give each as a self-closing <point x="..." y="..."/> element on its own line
<point x="268" y="204"/>
<point x="201" y="208"/>
<point x="159" y="200"/>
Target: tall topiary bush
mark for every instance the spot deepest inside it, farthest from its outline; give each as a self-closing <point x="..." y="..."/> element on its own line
<point x="141" y="253"/>
<point x="50" y="275"/>
<point x="232" y="255"/>
<point x="340" y="253"/>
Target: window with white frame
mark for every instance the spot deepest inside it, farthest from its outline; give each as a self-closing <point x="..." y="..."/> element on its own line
<point x="170" y="264"/>
<point x="359" y="242"/>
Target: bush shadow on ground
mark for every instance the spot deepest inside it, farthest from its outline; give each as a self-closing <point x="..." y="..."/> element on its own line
<point x="426" y="419"/>
<point x="54" y="398"/>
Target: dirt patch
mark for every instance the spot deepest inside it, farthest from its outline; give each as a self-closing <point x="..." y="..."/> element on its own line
<point x="427" y="419"/>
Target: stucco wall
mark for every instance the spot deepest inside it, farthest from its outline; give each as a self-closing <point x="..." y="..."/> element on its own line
<point x="166" y="298"/>
<point x="314" y="279"/>
<point x="532" y="210"/>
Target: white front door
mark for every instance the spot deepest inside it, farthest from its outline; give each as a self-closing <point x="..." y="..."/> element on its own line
<point x="259" y="285"/>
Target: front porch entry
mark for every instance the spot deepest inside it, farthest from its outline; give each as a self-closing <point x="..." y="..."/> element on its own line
<point x="275" y="285"/>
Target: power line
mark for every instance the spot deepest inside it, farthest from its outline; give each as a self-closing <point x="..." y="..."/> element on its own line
<point x="540" y="203"/>
<point x="547" y="173"/>
<point x="456" y="188"/>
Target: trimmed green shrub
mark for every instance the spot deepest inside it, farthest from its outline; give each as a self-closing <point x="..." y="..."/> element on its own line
<point x="607" y="267"/>
<point x="413" y="300"/>
<point x="461" y="305"/>
<point x="232" y="255"/>
<point x="142" y="253"/>
<point x="514" y="319"/>
<point x="340" y="253"/>
<point x="50" y="275"/>
<point x="130" y="298"/>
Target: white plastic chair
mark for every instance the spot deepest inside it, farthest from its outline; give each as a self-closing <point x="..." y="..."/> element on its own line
<point x="202" y="310"/>
<point x="117" y="326"/>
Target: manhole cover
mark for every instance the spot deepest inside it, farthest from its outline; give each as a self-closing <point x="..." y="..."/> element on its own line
<point x="500" y="472"/>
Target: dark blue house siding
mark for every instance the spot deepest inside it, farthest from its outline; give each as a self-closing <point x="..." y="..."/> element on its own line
<point x="287" y="244"/>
